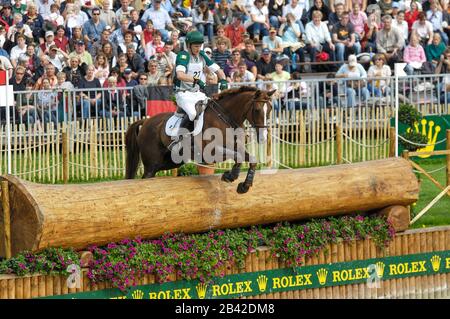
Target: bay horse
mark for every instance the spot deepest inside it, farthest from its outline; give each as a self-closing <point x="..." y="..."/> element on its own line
<point x="228" y="109"/>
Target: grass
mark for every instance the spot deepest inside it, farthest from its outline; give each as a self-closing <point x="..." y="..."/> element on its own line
<point x="439" y="214"/>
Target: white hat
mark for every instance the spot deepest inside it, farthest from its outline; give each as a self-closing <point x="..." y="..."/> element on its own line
<point x="352" y="61"/>
<point x="49" y="33"/>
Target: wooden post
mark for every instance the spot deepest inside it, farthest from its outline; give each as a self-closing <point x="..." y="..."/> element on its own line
<point x="405" y="154"/>
<point x="392" y="138"/>
<point x="175" y="172"/>
<point x="65" y="156"/>
<point x="339" y="144"/>
<point x="269" y="146"/>
<point x="6" y="219"/>
<point x="448" y="157"/>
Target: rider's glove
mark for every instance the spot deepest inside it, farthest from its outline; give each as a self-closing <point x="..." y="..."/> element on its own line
<point x="200" y="83"/>
<point x="223" y="84"/>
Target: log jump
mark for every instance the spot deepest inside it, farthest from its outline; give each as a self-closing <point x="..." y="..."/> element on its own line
<point x="79" y="215"/>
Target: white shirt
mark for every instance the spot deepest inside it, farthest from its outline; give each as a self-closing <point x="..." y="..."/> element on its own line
<point x="248" y="76"/>
<point x="16" y="52"/>
<point x="317" y="34"/>
<point x="297" y="11"/>
<point x="259" y="13"/>
<point x="422" y="30"/>
<point x="160" y="18"/>
<point x="403" y="28"/>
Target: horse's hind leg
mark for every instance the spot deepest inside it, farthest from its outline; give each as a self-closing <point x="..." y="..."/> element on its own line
<point x="231" y="176"/>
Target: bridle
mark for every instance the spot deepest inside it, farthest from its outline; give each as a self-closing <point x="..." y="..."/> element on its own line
<point x="253" y="109"/>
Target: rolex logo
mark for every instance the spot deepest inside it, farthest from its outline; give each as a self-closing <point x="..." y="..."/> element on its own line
<point x="436" y="262"/>
<point x="137" y="294"/>
<point x="201" y="290"/>
<point x="262" y="283"/>
<point x="429" y="130"/>
<point x="379" y="268"/>
<point x="322" y="275"/>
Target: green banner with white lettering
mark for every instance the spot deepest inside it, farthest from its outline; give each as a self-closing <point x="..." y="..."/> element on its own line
<point x="280" y="280"/>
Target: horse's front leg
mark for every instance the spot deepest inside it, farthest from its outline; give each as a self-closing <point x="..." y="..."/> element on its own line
<point x="244" y="186"/>
<point x="225" y="153"/>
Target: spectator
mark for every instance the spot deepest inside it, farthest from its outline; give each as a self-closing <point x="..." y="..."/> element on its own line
<point x="335" y="16"/>
<point x="91" y="99"/>
<point x="265" y="65"/>
<point x="47" y="102"/>
<point x="276" y="17"/>
<point x="61" y="41"/>
<point x="203" y="20"/>
<point x="174" y="37"/>
<point x="55" y="18"/>
<point x="24" y="103"/>
<point x="74" y="72"/>
<point x="74" y="16"/>
<point x="273" y="42"/>
<point x="168" y="50"/>
<point x="124" y="10"/>
<point x="412" y="14"/>
<point x="117" y="37"/>
<point x="101" y="68"/>
<point x="353" y="88"/>
<point x="160" y="18"/>
<point x="423" y="29"/>
<point x="400" y="23"/>
<point x="434" y="50"/>
<point x="18" y="7"/>
<point x="390" y="41"/>
<point x="318" y="6"/>
<point x="142" y="79"/>
<point x="385" y="6"/>
<point x="297" y="9"/>
<point x="107" y="15"/>
<point x="151" y="47"/>
<point x="50" y="75"/>
<point x="259" y="17"/>
<point x="344" y="38"/>
<point x="244" y="74"/>
<point x="358" y="19"/>
<point x="63" y="98"/>
<point x="128" y="77"/>
<point x="153" y="74"/>
<point x="77" y="36"/>
<point x="104" y="38"/>
<point x="290" y="33"/>
<point x="49" y="41"/>
<point x="318" y="37"/>
<point x="249" y="52"/>
<point x="435" y="16"/>
<point x="57" y="57"/>
<point x="165" y="66"/>
<point x="136" y="25"/>
<point x="32" y="61"/>
<point x="279" y="76"/>
<point x="80" y="51"/>
<point x="414" y="55"/>
<point x="379" y="74"/>
<point x="128" y="41"/>
<point x="107" y="50"/>
<point x="19" y="28"/>
<point x="444" y="68"/>
<point x="223" y="15"/>
<point x="235" y="30"/>
<point x="7" y="14"/>
<point x="371" y="28"/>
<point x="93" y="28"/>
<point x="20" y="48"/>
<point x="147" y="34"/>
<point x="221" y="55"/>
<point x="220" y="34"/>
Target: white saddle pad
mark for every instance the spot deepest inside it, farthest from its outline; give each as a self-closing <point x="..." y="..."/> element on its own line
<point x="173" y="125"/>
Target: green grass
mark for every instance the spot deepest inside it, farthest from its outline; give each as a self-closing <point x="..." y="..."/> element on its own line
<point x="439" y="214"/>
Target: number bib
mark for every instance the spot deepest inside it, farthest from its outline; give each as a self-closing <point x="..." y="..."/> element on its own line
<point x="196" y="70"/>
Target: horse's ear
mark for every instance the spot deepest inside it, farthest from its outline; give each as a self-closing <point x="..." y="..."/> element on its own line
<point x="257" y="94"/>
<point x="270" y="93"/>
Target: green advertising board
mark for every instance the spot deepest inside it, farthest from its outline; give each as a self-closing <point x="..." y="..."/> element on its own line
<point x="433" y="127"/>
<point x="368" y="271"/>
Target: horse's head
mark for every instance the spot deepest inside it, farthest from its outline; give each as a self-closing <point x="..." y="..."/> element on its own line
<point x="259" y="112"/>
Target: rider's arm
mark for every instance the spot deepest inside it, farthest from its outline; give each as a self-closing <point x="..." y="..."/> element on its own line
<point x="182" y="76"/>
<point x="221" y="75"/>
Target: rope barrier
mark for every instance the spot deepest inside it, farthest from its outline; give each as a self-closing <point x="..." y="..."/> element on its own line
<point x="300" y="144"/>
<point x="418" y="144"/>
<point x="95" y="167"/>
<point x="365" y="145"/>
<point x="431" y="172"/>
<point x="39" y="170"/>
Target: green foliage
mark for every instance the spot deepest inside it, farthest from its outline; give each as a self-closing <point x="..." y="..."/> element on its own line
<point x="409" y="115"/>
<point x="188" y="170"/>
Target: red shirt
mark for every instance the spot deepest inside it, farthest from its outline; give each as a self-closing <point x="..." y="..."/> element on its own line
<point x="62" y="44"/>
<point x="235" y="35"/>
<point x="411" y="17"/>
<point x="148" y="36"/>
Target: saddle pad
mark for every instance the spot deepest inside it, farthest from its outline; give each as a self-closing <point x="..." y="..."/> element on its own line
<point x="173" y="125"/>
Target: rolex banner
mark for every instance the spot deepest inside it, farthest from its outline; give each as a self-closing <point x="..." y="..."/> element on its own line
<point x="368" y="271"/>
<point x="433" y="127"/>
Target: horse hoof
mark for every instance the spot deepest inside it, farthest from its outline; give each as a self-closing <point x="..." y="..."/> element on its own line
<point x="242" y="188"/>
<point x="228" y="177"/>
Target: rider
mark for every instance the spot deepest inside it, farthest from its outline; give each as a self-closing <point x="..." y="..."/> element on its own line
<point x="190" y="78"/>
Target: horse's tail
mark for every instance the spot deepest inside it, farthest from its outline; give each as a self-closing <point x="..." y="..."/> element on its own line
<point x="132" y="147"/>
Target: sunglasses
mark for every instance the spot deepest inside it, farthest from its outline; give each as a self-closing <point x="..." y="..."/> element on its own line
<point x="142" y="79"/>
<point x="96" y="14"/>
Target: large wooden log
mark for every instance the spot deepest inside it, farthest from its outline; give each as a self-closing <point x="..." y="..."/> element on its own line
<point x="82" y="214"/>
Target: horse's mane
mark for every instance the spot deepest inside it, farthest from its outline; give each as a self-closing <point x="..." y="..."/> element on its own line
<point x="235" y="91"/>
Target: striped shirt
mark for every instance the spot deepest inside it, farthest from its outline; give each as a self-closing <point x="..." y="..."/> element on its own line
<point x="221" y="58"/>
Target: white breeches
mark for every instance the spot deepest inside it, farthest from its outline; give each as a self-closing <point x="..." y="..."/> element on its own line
<point x="187" y="100"/>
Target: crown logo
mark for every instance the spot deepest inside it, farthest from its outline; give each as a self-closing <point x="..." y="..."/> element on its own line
<point x="137" y="294"/>
<point x="379" y="268"/>
<point x="262" y="282"/>
<point x="431" y="136"/>
<point x="322" y="275"/>
<point x="436" y="262"/>
<point x="201" y="290"/>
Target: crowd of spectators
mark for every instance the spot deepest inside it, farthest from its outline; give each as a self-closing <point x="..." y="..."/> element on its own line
<point x="88" y="44"/>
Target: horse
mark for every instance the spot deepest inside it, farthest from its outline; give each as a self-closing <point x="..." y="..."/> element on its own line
<point x="228" y="109"/>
